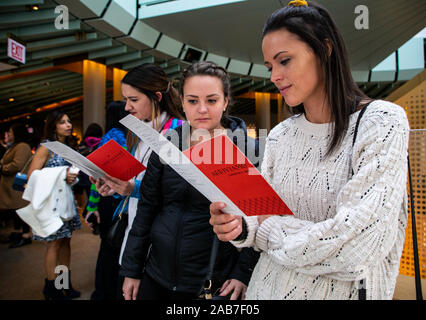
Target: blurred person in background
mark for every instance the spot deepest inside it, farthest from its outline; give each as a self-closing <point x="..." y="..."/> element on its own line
<point x="2" y="143"/>
<point x="89" y="143"/>
<point x="15" y="160"/>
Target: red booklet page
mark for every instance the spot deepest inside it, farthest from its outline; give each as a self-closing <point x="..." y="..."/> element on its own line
<point x="116" y="161"/>
<point x="228" y="168"/>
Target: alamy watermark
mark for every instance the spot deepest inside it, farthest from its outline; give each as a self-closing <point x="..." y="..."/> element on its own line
<point x="362" y="19"/>
<point x="213" y="153"/>
<point x="62" y="281"/>
<point x="63" y="18"/>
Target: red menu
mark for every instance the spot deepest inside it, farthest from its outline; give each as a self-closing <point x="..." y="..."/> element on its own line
<point x="116" y="161"/>
<point x="227" y="167"/>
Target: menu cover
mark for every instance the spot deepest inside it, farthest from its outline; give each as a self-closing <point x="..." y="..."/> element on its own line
<point x="116" y="161"/>
<point x="228" y="169"/>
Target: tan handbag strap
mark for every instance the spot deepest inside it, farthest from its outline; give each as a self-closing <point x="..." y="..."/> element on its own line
<point x="124" y="205"/>
<point x="25" y="168"/>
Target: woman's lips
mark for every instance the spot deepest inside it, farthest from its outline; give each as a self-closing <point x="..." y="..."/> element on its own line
<point x="202" y="119"/>
<point x="283" y="90"/>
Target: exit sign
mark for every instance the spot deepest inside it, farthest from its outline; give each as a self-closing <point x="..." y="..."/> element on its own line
<point x="15" y="50"/>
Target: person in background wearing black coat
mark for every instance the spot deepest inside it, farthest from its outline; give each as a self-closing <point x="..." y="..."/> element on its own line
<point x="103" y="208"/>
<point x="171" y="237"/>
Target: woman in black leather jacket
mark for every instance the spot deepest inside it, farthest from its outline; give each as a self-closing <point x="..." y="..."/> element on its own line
<point x="168" y="248"/>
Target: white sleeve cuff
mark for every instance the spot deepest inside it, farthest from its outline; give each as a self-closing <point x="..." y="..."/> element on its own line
<point x="252" y="226"/>
<point x="264" y="232"/>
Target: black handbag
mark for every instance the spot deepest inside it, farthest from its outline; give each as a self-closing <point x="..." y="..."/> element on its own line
<point x="116" y="233"/>
<point x="206" y="291"/>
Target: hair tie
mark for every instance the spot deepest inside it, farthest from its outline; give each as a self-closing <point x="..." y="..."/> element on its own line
<point x="298" y="3"/>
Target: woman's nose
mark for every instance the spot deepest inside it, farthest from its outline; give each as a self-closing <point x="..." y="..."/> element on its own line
<point x="276" y="76"/>
<point x="202" y="108"/>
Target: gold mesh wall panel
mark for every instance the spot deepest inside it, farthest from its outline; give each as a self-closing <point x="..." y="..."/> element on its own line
<point x="417" y="151"/>
<point x="413" y="102"/>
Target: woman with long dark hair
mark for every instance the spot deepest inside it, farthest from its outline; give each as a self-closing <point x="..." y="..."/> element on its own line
<point x="150" y="97"/>
<point x="347" y="192"/>
<point x="58" y="127"/>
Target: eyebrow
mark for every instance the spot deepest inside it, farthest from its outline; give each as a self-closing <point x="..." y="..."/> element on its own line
<point x="210" y="95"/>
<point x="276" y="55"/>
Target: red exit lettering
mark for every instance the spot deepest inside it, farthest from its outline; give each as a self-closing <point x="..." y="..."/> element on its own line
<point x="17" y="51"/>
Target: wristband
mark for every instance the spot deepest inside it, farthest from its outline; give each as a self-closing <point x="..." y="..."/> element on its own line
<point x="244" y="233"/>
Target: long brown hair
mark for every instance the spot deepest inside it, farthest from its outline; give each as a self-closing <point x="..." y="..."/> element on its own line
<point x="52" y="119"/>
<point x="314" y="26"/>
<point x="148" y="79"/>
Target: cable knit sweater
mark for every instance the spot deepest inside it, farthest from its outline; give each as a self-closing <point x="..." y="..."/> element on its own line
<point x="345" y="228"/>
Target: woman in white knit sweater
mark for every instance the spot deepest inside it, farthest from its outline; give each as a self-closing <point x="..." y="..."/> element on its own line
<point x="349" y="201"/>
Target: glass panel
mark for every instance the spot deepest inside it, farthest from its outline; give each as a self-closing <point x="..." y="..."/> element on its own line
<point x="155" y="8"/>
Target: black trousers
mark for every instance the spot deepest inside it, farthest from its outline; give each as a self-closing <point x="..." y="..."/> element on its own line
<point x="149" y="289"/>
<point x="107" y="267"/>
<point x="106" y="274"/>
<point x="18" y="223"/>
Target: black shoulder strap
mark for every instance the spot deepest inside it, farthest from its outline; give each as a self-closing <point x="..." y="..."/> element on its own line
<point x="357" y="123"/>
<point x="417" y="274"/>
<point x="206" y="290"/>
<point x="213" y="257"/>
<point x="357" y="126"/>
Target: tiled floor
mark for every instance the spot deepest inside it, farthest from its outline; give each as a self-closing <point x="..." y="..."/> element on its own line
<point x="22" y="270"/>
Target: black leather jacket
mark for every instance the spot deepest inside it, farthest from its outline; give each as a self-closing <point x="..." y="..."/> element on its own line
<point x="171" y="238"/>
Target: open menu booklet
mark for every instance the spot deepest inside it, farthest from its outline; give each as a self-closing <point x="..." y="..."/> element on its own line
<point x="217" y="169"/>
<point x="111" y="159"/>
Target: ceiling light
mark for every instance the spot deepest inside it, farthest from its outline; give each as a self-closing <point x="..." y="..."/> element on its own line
<point x="11" y="99"/>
